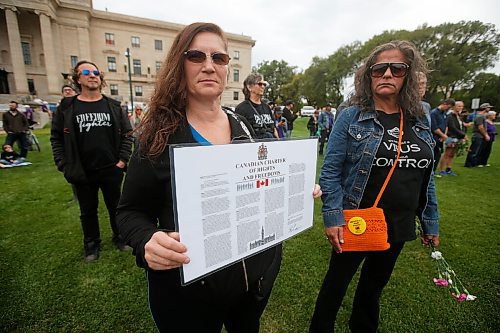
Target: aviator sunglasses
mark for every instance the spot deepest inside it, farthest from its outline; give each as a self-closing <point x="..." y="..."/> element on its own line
<point x="88" y="71"/>
<point x="199" y="57"/>
<point x="398" y="69"/>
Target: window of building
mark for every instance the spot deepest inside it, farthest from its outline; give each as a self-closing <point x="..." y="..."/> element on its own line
<point x="136" y="41"/>
<point x="109" y="38"/>
<point x="158" y="45"/>
<point x="111" y="64"/>
<point x="158" y="66"/>
<point x="236" y="95"/>
<point x="113" y="88"/>
<point x="137" y="67"/>
<point x="138" y="90"/>
<point x="74" y="61"/>
<point x="236" y="75"/>
<point x="236" y="55"/>
<point x="31" y="87"/>
<point x="26" y="53"/>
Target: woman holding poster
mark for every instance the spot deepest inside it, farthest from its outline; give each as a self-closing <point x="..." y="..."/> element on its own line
<point x="185" y="108"/>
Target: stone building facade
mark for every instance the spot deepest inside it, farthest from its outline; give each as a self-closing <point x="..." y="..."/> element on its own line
<point x="41" y="41"/>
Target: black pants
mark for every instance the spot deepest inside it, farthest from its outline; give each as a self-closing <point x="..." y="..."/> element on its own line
<point x="323" y="138"/>
<point x="109" y="181"/>
<point x="484" y="152"/>
<point x="219" y="300"/>
<point x="474" y="152"/>
<point x="22" y="142"/>
<point x="375" y="274"/>
<point x="438" y="151"/>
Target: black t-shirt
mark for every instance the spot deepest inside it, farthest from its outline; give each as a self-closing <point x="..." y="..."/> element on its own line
<point x="401" y="197"/>
<point x="259" y="116"/>
<point x="94" y="130"/>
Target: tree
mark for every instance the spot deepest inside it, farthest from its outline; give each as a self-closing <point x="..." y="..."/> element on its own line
<point x="486" y="87"/>
<point x="278" y="74"/>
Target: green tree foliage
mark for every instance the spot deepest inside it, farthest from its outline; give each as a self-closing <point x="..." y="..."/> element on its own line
<point x="486" y="87"/>
<point x="278" y="74"/>
<point x="323" y="81"/>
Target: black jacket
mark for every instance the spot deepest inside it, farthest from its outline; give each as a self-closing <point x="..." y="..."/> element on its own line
<point x="15" y="123"/>
<point x="454" y="128"/>
<point x="146" y="206"/>
<point x="290" y="117"/>
<point x="64" y="143"/>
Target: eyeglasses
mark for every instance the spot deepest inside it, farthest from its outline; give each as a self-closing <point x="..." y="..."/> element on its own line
<point x="199" y="57"/>
<point x="261" y="84"/>
<point x="398" y="69"/>
<point x="88" y="71"/>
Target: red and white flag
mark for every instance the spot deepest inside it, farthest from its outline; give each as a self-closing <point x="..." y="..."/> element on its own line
<point x="262" y="182"/>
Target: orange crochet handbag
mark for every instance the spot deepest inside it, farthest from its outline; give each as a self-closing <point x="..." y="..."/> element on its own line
<point x="366" y="229"/>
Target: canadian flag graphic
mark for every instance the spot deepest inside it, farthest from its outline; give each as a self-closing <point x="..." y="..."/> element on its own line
<point x="262" y="182"/>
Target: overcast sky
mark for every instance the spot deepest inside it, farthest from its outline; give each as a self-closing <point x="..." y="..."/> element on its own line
<point x="296" y="31"/>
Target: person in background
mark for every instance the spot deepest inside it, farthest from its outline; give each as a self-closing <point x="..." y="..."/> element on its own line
<point x="9" y="156"/>
<point x="290" y="116"/>
<point x="257" y="113"/>
<point x="312" y="123"/>
<point x="479" y="136"/>
<point x="456" y="132"/>
<point x="137" y="116"/>
<point x="325" y="124"/>
<point x="68" y="91"/>
<point x="439" y="129"/>
<point x="91" y="144"/>
<point x="487" y="145"/>
<point x="386" y="94"/>
<point x="280" y="122"/>
<point x="15" y="125"/>
<point x="185" y="108"/>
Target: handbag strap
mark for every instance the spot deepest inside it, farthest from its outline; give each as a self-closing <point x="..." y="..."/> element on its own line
<point x="400" y="139"/>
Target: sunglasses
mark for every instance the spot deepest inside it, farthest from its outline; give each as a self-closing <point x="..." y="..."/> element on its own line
<point x="199" y="57"/>
<point x="261" y="84"/>
<point x="88" y="71"/>
<point x="398" y="69"/>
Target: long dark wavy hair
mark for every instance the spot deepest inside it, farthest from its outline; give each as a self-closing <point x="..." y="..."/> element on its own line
<point x="167" y="107"/>
<point x="408" y="97"/>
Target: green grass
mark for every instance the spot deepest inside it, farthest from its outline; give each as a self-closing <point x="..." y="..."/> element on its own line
<point x="46" y="287"/>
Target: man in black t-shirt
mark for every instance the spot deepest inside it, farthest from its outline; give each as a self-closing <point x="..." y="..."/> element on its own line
<point x="258" y="114"/>
<point x="91" y="144"/>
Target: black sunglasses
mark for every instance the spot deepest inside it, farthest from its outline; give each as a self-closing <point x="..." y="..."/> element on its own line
<point x="88" y="71"/>
<point x="199" y="57"/>
<point x="261" y="84"/>
<point x="398" y="69"/>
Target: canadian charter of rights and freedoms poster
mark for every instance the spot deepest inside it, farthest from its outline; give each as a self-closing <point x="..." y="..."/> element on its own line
<point x="233" y="201"/>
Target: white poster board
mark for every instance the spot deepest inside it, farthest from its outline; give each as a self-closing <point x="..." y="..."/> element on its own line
<point x="233" y="201"/>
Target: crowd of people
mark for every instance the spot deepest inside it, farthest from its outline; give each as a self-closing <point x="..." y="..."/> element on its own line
<point x="92" y="140"/>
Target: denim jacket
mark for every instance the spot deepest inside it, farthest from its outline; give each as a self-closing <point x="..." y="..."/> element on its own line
<point x="351" y="149"/>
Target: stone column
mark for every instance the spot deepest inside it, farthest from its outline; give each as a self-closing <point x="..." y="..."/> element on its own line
<point x="16" y="52"/>
<point x="51" y="67"/>
<point x="84" y="44"/>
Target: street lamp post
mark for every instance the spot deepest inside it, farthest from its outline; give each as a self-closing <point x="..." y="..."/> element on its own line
<point x="127" y="54"/>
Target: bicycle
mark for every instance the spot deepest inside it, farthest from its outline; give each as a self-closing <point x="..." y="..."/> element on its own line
<point x="32" y="139"/>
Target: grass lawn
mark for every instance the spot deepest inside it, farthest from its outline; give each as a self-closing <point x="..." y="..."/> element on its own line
<point x="46" y="287"/>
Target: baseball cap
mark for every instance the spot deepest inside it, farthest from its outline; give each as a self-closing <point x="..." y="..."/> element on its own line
<point x="485" y="105"/>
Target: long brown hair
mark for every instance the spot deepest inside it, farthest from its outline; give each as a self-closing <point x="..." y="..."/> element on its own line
<point x="168" y="104"/>
<point x="408" y="97"/>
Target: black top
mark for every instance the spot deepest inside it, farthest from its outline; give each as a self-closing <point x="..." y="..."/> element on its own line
<point x="401" y="197"/>
<point x="94" y="130"/>
<point x="456" y="128"/>
<point x="290" y="117"/>
<point x="259" y="116"/>
<point x="9" y="156"/>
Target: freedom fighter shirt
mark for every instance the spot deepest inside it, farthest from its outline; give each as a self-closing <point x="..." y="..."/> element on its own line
<point x="401" y="196"/>
<point x="95" y="134"/>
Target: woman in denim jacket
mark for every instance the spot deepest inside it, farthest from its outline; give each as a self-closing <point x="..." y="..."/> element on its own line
<point x="361" y="150"/>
